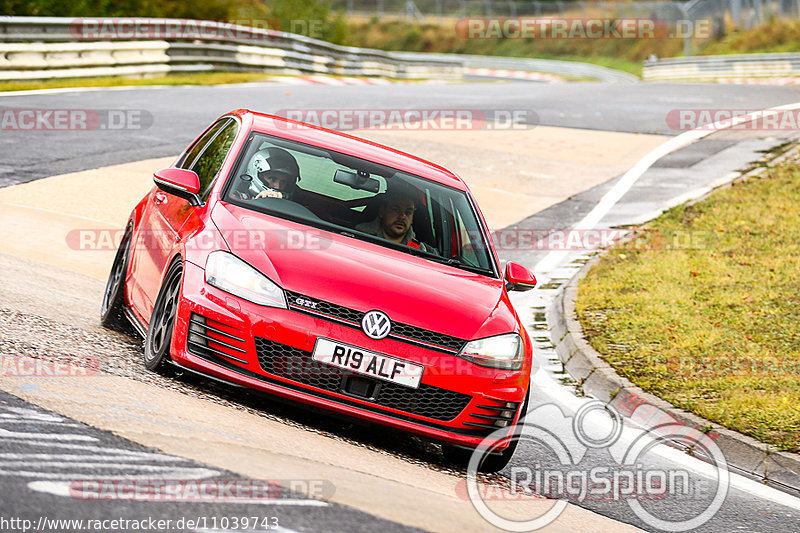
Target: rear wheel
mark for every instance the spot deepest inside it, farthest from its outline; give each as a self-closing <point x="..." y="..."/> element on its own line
<point x="490" y="462"/>
<point x="112" y="310"/>
<point x="157" y="343"/>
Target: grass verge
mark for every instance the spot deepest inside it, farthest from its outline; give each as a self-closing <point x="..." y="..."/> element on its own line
<point x="703" y="309"/>
<point x="201" y="78"/>
<point x="429" y="37"/>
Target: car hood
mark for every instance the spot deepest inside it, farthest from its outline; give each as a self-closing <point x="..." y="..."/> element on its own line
<point x="364" y="276"/>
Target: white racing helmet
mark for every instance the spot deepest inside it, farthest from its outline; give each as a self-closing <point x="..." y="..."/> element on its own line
<point x="273" y="160"/>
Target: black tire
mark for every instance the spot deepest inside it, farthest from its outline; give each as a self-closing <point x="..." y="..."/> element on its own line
<point x="489" y="463"/>
<point x="158" y="340"/>
<point x="112" y="310"/>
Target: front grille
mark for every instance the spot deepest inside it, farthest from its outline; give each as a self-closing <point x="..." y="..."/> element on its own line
<point x="299" y="366"/>
<point x="352" y="318"/>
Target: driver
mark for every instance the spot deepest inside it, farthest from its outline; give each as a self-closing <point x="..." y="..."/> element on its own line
<point x="278" y="170"/>
<point x="395" y="216"/>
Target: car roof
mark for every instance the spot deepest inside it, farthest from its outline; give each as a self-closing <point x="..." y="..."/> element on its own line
<point x="350" y="145"/>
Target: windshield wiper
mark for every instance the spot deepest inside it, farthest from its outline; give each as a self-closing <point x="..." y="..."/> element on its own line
<point x="451" y="261"/>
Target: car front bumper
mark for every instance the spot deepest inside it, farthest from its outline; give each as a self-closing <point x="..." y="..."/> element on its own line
<point x="270" y="349"/>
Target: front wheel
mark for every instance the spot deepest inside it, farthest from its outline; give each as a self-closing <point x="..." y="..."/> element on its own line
<point x="159" y="334"/>
<point x="112" y="310"/>
<point x="490" y="462"/>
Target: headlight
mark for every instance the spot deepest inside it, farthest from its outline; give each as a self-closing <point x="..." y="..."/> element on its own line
<point x="227" y="272"/>
<point x="501" y="351"/>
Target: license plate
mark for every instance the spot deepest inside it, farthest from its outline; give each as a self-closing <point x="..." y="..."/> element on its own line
<point x="368" y="363"/>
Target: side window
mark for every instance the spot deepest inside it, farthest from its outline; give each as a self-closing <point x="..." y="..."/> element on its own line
<point x="210" y="161"/>
<point x="192" y="154"/>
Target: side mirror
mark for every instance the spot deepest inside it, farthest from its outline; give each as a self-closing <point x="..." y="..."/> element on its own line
<point x="519" y="278"/>
<point x="180" y="182"/>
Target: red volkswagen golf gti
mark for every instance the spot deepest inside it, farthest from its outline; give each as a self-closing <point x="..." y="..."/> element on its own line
<point x="331" y="271"/>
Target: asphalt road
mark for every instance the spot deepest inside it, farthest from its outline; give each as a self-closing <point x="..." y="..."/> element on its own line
<point x="178" y="114"/>
<point x="57" y="474"/>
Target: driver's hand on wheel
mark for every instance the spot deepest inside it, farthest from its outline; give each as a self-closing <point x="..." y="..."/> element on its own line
<point x="269" y="193"/>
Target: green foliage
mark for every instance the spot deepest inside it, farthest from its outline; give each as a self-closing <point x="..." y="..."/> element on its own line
<point x="212" y="9"/>
<point x="702" y="310"/>
<point x="195" y="78"/>
<point x="774" y="36"/>
<point x="314" y="18"/>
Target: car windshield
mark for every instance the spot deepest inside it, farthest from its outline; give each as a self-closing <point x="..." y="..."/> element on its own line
<point x="361" y="199"/>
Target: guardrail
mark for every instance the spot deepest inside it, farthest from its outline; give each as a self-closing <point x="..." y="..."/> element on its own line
<point x="573" y="69"/>
<point x="46" y="47"/>
<point x="33" y="48"/>
<point x="716" y="68"/>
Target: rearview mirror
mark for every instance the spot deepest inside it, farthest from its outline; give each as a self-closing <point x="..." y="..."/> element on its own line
<point x="180" y="182"/>
<point x="357" y="180"/>
<point x="519" y="278"/>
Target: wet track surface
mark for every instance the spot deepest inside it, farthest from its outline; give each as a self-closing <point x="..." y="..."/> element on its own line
<point x="177" y="114"/>
<point x="61" y="475"/>
<point x="639" y="108"/>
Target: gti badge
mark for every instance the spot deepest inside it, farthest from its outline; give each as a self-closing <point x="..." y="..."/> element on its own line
<point x="376" y="325"/>
<point x="306" y="303"/>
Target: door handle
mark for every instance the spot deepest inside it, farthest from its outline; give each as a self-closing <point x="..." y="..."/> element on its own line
<point x="160" y="198"/>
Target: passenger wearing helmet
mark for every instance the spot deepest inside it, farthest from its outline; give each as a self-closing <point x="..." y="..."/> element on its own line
<point x="277" y="170"/>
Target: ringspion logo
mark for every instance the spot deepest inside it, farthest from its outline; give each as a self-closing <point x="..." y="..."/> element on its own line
<point x="557" y="445"/>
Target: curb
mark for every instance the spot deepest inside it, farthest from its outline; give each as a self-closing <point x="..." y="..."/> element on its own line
<point x="744" y="455"/>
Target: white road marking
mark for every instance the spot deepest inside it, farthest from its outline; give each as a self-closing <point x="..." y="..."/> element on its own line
<point x="23" y="413"/>
<point x="555" y="258"/>
<point x="76" y="466"/>
<point x="4" y="433"/>
<point x="89" y="89"/>
<point x="86" y="464"/>
<point x="60" y="424"/>
<point x="77" y="457"/>
<point x="62" y="488"/>
<point x="174" y="473"/>
<point x="90" y="448"/>
<point x="562" y="396"/>
<point x="548" y="386"/>
<point x="552" y="264"/>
